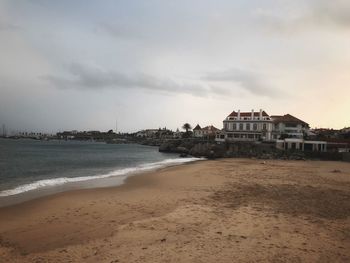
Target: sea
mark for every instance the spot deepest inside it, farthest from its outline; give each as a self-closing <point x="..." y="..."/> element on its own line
<point x="33" y="168"/>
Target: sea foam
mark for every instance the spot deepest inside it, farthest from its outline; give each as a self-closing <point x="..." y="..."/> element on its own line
<point x="120" y="172"/>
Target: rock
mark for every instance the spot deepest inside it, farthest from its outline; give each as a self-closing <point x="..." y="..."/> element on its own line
<point x="183" y="155"/>
<point x="181" y="150"/>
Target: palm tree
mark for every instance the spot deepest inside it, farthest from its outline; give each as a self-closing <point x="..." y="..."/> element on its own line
<point x="187" y="127"/>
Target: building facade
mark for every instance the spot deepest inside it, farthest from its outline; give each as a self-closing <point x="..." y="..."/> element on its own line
<point x="246" y="126"/>
<point x="209" y="131"/>
<point x="206" y="132"/>
<point x="259" y="126"/>
<point x="288" y="126"/>
<point x="301" y="145"/>
<point x="197" y="132"/>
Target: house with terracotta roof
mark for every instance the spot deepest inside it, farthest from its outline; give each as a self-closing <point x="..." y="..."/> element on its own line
<point x="206" y="132"/>
<point x="288" y="126"/>
<point x="209" y="131"/>
<point x="246" y="126"/>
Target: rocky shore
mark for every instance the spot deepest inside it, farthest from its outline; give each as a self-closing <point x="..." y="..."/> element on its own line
<point x="260" y="150"/>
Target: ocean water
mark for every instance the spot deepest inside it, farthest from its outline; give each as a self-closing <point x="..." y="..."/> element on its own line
<point x="30" y="165"/>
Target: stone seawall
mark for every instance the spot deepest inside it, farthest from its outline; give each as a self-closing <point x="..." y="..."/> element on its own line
<point x="261" y="150"/>
<point x="346" y="157"/>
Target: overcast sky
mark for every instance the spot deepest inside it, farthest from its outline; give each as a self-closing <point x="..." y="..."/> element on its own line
<point x="153" y="63"/>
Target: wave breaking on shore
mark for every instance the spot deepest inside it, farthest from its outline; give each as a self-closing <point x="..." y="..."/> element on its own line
<point x="124" y="172"/>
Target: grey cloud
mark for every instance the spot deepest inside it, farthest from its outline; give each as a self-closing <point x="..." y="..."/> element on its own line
<point x="93" y="78"/>
<point x="244" y="79"/>
<point x="318" y="14"/>
<point x="332" y="12"/>
<point x="121" y="30"/>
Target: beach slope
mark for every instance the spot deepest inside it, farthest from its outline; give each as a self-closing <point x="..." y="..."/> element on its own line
<point x="229" y="210"/>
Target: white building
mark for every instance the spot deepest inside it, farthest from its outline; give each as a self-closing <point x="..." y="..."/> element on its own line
<point x="288" y="126"/>
<point x="206" y="132"/>
<point x="301" y="145"/>
<point x="209" y="131"/>
<point x="149" y="133"/>
<point x="197" y="132"/>
<point x="246" y="126"/>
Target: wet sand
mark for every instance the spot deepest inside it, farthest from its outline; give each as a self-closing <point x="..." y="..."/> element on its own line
<point x="229" y="210"/>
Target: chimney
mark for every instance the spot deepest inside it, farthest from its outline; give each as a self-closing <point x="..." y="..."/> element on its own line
<point x="260" y="114"/>
<point x="239" y="114"/>
<point x="252" y="117"/>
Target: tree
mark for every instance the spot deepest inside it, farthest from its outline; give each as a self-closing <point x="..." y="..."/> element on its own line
<point x="187" y="127"/>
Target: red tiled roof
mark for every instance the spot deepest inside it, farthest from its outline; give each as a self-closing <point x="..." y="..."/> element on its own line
<point x="287" y="118"/>
<point x="248" y="114"/>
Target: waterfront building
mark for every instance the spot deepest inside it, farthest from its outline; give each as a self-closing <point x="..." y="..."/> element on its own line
<point x="206" y="132"/>
<point x="246" y="126"/>
<point x="197" y="132"/>
<point x="259" y="126"/>
<point x="288" y="126"/>
<point x="301" y="145"/>
<point x="209" y="131"/>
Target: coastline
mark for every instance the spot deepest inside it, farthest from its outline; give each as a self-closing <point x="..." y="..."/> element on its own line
<point x="223" y="210"/>
<point x="49" y="187"/>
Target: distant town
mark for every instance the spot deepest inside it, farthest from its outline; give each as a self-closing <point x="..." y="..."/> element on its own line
<point x="286" y="132"/>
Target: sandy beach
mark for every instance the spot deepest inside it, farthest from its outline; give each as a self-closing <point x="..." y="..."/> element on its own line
<point x="229" y="210"/>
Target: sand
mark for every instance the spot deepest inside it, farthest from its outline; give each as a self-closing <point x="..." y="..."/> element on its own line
<point x="229" y="210"/>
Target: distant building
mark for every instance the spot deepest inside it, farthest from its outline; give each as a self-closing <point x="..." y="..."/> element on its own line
<point x="301" y="145"/>
<point x="209" y="131"/>
<point x="246" y="126"/>
<point x="148" y="133"/>
<point x="259" y="126"/>
<point x="206" y="132"/>
<point x="288" y="126"/>
<point x="163" y="133"/>
<point x="197" y="132"/>
<point x="177" y="134"/>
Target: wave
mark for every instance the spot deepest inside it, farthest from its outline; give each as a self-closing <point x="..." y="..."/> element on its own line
<point x="120" y="172"/>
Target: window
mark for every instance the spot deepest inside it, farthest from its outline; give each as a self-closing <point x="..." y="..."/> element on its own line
<point x="264" y="126"/>
<point x="230" y="135"/>
<point x="234" y="126"/>
<point x="241" y="126"/>
<point x="247" y="126"/>
<point x="255" y="126"/>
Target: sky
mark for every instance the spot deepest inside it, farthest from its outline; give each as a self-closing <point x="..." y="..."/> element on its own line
<point x="85" y="64"/>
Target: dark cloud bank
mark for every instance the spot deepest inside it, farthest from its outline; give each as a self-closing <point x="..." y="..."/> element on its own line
<point x="92" y="78"/>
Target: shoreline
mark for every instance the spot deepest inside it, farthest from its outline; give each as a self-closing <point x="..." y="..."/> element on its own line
<point x="224" y="210"/>
<point x="95" y="182"/>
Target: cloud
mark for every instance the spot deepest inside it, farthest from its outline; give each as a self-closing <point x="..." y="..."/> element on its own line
<point x="121" y="31"/>
<point x="244" y="79"/>
<point x="321" y="14"/>
<point x="95" y="78"/>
